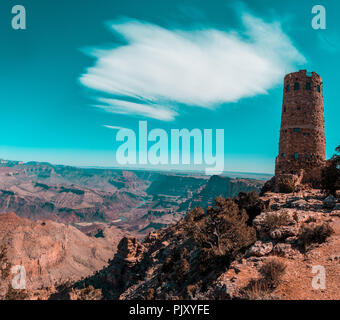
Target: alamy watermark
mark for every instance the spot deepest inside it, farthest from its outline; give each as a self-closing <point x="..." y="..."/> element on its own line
<point x="157" y="147"/>
<point x="19" y="280"/>
<point x="19" y="19"/>
<point x="319" y="280"/>
<point x="318" y="20"/>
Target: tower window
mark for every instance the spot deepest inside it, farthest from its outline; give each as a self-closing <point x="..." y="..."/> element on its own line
<point x="283" y="154"/>
<point x="296" y="86"/>
<point x="296" y="129"/>
<point x="308" y="86"/>
<point x="299" y="108"/>
<point x="318" y="88"/>
<point x="284" y="109"/>
<point x="287" y="88"/>
<point x="296" y="155"/>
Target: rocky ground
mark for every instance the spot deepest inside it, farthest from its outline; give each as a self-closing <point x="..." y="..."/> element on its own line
<point x="149" y="270"/>
<point x="302" y="208"/>
<point x="288" y="234"/>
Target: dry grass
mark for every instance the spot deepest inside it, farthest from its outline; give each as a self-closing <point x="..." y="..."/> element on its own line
<point x="273" y="221"/>
<point x="262" y="288"/>
<point x="314" y="234"/>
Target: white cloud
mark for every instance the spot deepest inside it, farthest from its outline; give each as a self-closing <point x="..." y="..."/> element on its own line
<point x="127" y="107"/>
<point x="165" y="68"/>
<point x="113" y="127"/>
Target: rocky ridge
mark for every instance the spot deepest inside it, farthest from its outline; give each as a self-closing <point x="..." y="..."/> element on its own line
<point x="149" y="270"/>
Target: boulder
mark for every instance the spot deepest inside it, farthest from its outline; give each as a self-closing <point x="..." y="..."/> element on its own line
<point x="329" y="202"/>
<point x="260" y="249"/>
<point x="284" y="232"/>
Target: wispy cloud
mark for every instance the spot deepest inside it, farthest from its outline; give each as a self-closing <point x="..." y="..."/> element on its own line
<point x="113" y="127"/>
<point x="127" y="107"/>
<point x="163" y="68"/>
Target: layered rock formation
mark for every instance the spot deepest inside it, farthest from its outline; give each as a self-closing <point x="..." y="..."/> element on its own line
<point x="53" y="253"/>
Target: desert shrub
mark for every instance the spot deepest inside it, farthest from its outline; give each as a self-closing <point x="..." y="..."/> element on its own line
<point x="262" y="288"/>
<point x="220" y="234"/>
<point x="205" y="257"/>
<point x="286" y="185"/>
<point x="15" y="294"/>
<point x="195" y="215"/>
<point x="272" y="271"/>
<point x="168" y="266"/>
<point x="314" y="234"/>
<point x="190" y="290"/>
<point x="87" y="293"/>
<point x="150" y="294"/>
<point x="181" y="270"/>
<point x="257" y="289"/>
<point x="273" y="221"/>
<point x="330" y="177"/>
<point x="269" y="186"/>
<point x="251" y="203"/>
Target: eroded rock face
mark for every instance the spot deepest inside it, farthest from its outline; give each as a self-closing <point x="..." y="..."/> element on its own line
<point x="50" y="252"/>
<point x="119" y="274"/>
<point x="129" y="251"/>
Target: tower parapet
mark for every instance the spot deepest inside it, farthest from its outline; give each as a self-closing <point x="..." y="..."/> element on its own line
<point x="302" y="143"/>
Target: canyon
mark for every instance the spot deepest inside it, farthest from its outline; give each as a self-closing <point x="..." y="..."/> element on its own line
<point x="64" y="223"/>
<point x="91" y="199"/>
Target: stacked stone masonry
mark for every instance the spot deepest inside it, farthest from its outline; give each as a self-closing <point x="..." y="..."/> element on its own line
<point x="302" y="143"/>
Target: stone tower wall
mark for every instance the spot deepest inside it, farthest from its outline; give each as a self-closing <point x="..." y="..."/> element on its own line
<point x="302" y="143"/>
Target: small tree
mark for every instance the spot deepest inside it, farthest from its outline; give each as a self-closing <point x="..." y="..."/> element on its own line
<point x="222" y="233"/>
<point x="330" y="179"/>
<point x="251" y="203"/>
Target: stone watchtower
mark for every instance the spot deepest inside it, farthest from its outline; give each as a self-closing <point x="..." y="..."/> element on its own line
<point x="302" y="143"/>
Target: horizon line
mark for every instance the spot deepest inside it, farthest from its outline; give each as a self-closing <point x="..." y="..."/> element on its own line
<point x="201" y="171"/>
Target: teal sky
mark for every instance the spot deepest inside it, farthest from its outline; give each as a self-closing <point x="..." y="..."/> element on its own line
<point x="83" y="65"/>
